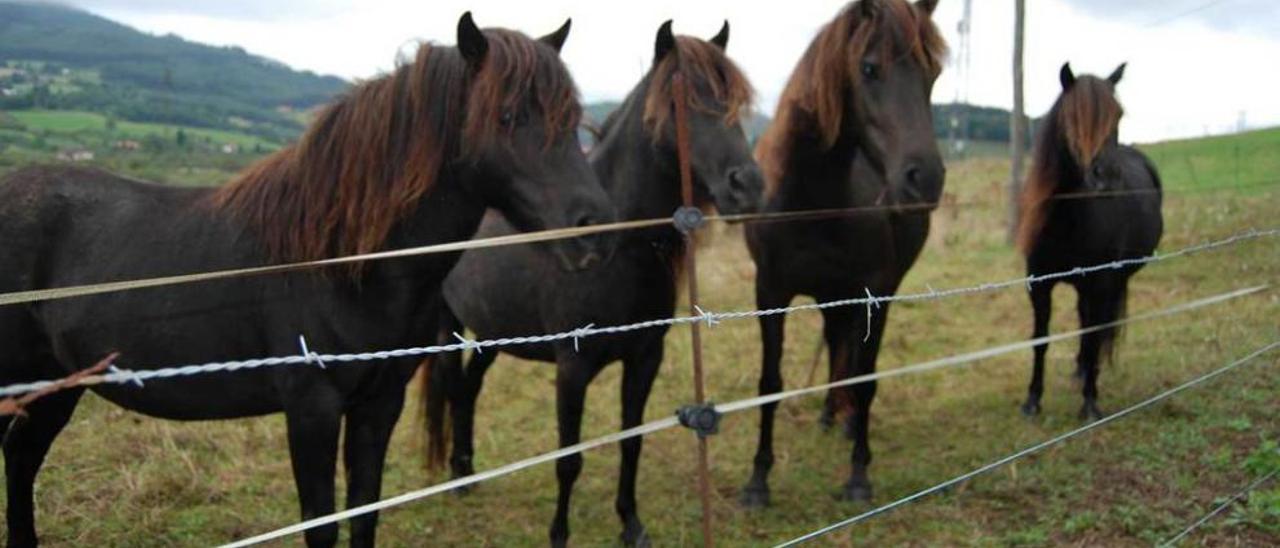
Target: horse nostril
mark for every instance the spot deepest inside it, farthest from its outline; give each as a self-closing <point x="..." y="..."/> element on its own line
<point x="913" y="175"/>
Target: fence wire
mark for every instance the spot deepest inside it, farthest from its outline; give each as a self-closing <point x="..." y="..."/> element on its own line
<point x="310" y="358"/>
<point x="49" y="294"/>
<point x="669" y="422"/>
<point x="1240" y="495"/>
<point x="1029" y="450"/>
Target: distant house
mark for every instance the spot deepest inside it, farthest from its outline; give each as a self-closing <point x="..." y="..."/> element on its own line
<point x="128" y="144"/>
<point x="8" y="92"/>
<point x="230" y="148"/>
<point x="76" y="155"/>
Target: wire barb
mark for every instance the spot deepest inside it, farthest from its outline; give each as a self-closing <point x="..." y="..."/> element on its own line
<point x="581" y="332"/>
<point x="472" y="344"/>
<point x="308" y="355"/>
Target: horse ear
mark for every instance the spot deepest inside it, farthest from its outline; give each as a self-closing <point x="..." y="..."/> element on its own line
<point x="557" y="38"/>
<point x="471" y="41"/>
<point x="1117" y="74"/>
<point x="721" y="39"/>
<point x="1066" y="76"/>
<point x="927" y="6"/>
<point x="664" y="44"/>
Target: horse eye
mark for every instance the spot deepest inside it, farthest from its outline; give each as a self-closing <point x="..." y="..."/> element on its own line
<point x="870" y="71"/>
<point x="1097" y="170"/>
<point x="506" y="118"/>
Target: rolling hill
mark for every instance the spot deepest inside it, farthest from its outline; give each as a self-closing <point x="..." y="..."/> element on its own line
<point x="58" y="57"/>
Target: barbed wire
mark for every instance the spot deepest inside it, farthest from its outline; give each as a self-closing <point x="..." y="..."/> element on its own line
<point x="309" y="357"/>
<point x="731" y="407"/>
<point x="1029" y="450"/>
<point x="49" y="294"/>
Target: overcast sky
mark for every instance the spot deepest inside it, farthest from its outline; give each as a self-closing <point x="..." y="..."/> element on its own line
<point x="1195" y="66"/>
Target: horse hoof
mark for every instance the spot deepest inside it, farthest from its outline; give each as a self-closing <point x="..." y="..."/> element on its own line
<point x="855" y="491"/>
<point x="636" y="538"/>
<point x="754" y="497"/>
<point x="1030" y="409"/>
<point x="463" y="491"/>
<point x="1090" y="413"/>
<point x="826" y="421"/>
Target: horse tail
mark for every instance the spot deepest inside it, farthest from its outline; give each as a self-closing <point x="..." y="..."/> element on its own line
<point x="1107" y="346"/>
<point x="438" y="373"/>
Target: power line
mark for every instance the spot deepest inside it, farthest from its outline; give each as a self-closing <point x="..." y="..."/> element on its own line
<point x="1180" y="15"/>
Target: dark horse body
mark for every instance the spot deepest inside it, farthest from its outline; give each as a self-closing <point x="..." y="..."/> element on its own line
<point x="1063" y="226"/>
<point x="854" y="128"/>
<point x="412" y="158"/>
<point x="514" y="291"/>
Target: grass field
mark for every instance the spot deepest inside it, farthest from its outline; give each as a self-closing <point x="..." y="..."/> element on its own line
<point x="120" y="479"/>
<point x="69" y="121"/>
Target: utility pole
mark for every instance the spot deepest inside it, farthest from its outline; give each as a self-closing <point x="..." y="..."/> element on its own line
<point x="959" y="133"/>
<point x="1017" y="121"/>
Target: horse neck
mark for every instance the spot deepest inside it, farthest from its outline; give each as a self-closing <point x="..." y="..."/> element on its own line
<point x="448" y="213"/>
<point x="817" y="177"/>
<point x="641" y="178"/>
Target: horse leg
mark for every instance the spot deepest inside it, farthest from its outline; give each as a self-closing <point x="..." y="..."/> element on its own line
<point x="1042" y="307"/>
<point x="573" y="374"/>
<point x="1103" y="308"/>
<point x="755" y="494"/>
<point x="463" y="414"/>
<point x="26" y="442"/>
<point x="849" y="328"/>
<point x="369" y="425"/>
<point x="638" y="372"/>
<point x="313" y="418"/>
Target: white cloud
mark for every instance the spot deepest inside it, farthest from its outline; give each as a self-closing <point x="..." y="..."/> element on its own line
<point x="1188" y="75"/>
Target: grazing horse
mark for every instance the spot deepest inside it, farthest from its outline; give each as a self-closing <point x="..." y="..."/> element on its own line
<point x="407" y="159"/>
<point x="853" y="128"/>
<point x="515" y="291"/>
<point x="1063" y="226"/>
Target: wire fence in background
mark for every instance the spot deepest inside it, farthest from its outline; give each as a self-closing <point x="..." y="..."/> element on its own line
<point x="731" y="407"/>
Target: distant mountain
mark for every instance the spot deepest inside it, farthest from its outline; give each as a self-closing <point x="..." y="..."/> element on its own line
<point x="53" y="56"/>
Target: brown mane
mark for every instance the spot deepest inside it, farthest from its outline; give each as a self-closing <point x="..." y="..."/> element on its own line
<point x="703" y="66"/>
<point x="374" y="153"/>
<point x="1084" y="119"/>
<point x="813" y="103"/>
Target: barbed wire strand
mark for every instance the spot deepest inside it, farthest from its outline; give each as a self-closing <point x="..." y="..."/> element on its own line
<point x="1221" y="507"/>
<point x="1029" y="450"/>
<point x="669" y="422"/>
<point x="66" y="292"/>
<point x="141" y="375"/>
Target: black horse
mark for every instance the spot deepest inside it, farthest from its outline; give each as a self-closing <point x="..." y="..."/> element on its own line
<point x="516" y="291"/>
<point x="410" y="158"/>
<point x="853" y="128"/>
<point x="1063" y="226"/>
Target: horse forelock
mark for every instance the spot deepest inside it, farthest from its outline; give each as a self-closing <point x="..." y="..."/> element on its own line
<point x="704" y="66"/>
<point x="1089" y="116"/>
<point x="516" y="70"/>
<point x="813" y="102"/>
<point x="1082" y="121"/>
